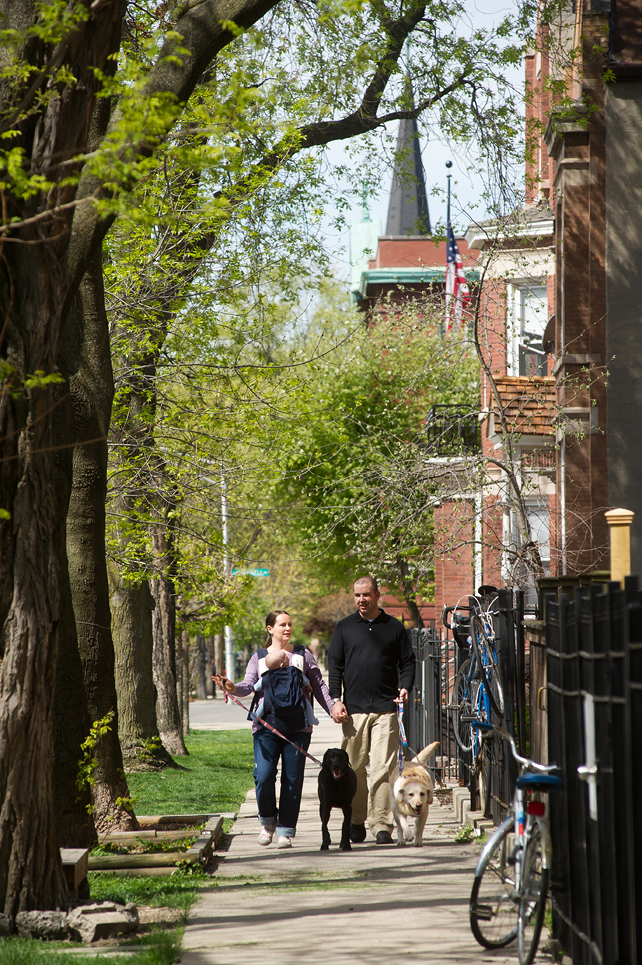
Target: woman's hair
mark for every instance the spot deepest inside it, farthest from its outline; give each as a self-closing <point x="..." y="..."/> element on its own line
<point x="270" y="620"/>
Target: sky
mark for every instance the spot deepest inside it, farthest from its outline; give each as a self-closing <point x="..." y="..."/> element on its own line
<point x="467" y="186"/>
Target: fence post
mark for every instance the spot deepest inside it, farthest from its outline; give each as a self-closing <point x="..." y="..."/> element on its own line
<point x="625" y="820"/>
<point x="634" y="693"/>
<point x="520" y="671"/>
<point x="619" y="521"/>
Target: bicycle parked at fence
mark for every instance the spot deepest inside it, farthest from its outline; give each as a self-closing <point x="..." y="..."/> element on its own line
<point x="477" y="691"/>
<point x="509" y="893"/>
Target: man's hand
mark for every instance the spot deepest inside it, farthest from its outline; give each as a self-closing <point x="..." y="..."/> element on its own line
<point x="339" y="712"/>
<point x="403" y="696"/>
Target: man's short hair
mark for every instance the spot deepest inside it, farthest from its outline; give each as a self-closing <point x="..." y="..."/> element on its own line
<point x="368" y="579"/>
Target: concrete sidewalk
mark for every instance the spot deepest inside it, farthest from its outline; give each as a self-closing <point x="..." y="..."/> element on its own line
<point x="372" y="905"/>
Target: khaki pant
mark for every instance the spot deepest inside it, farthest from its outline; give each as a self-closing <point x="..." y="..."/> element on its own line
<point x="373" y="737"/>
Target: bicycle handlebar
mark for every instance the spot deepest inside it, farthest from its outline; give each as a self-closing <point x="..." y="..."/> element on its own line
<point x="526" y="761"/>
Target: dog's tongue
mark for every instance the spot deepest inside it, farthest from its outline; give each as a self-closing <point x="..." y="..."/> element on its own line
<point x="336" y="773"/>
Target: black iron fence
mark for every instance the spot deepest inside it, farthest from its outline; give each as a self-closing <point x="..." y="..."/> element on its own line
<point x="429" y="717"/>
<point x="426" y="717"/>
<point x="593" y="719"/>
<point x="594" y="671"/>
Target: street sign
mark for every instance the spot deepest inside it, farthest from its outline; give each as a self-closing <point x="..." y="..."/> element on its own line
<point x="254" y="572"/>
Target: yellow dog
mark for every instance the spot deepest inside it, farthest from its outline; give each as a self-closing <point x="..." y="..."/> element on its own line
<point x="412" y="795"/>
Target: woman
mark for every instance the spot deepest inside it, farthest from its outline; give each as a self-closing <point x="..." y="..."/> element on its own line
<point x="269" y="747"/>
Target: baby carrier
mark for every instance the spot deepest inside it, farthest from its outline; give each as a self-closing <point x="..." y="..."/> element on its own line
<point x="283" y="693"/>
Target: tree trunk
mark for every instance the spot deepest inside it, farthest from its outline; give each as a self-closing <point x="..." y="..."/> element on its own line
<point x="180" y="692"/>
<point x="409" y="594"/>
<point x="201" y="668"/>
<point x="74" y="821"/>
<point x="87" y="359"/>
<point x="168" y="717"/>
<point x="131" y="608"/>
<point x="35" y="489"/>
<point x="34" y="290"/>
<point x="186" y="655"/>
<point x="71" y="722"/>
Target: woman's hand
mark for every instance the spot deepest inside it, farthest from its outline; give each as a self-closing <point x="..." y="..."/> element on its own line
<point x="223" y="682"/>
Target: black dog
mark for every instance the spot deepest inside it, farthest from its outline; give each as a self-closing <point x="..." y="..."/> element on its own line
<point x="337" y="787"/>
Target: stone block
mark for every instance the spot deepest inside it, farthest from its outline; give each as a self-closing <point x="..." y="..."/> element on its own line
<point x="460" y="796"/>
<point x="5" y="926"/>
<point x="91" y="923"/>
<point x="49" y="925"/>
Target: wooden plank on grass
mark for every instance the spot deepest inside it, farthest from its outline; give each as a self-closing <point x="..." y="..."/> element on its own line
<point x="74" y="864"/>
<point x="129" y="838"/>
<point x="201" y="850"/>
<point x="105" y="862"/>
<point x="177" y="818"/>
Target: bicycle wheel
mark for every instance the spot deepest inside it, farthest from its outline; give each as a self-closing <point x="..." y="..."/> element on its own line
<point x="488" y="669"/>
<point x="463" y="706"/>
<point x="532" y="902"/>
<point x="494" y="909"/>
<point x="484" y="763"/>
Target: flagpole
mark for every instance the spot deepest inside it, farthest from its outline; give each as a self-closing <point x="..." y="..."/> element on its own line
<point x="447" y="318"/>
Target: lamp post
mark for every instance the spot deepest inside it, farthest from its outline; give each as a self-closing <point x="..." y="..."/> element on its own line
<point x="449" y="164"/>
<point x="229" y="643"/>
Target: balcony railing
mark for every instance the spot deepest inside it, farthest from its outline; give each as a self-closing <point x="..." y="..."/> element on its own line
<point x="452" y="430"/>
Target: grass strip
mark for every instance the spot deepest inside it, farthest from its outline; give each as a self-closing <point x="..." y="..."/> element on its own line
<point x="161" y="948"/>
<point x="218" y="775"/>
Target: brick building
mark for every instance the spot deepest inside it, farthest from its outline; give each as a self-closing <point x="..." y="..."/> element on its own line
<point x="589" y="165"/>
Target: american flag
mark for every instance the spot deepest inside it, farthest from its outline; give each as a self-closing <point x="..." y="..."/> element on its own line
<point x="457" y="293"/>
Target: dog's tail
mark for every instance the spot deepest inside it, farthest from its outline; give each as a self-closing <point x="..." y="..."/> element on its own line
<point x="424" y="756"/>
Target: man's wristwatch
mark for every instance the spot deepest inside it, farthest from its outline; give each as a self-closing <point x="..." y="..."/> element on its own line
<point x="335" y="699"/>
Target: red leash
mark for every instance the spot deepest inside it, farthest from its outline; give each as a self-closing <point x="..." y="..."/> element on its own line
<point x="229" y="696"/>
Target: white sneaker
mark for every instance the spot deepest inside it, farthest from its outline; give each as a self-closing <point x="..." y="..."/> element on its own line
<point x="283" y="842"/>
<point x="265" y="837"/>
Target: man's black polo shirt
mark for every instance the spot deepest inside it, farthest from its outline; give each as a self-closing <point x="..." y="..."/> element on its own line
<point x="372" y="660"/>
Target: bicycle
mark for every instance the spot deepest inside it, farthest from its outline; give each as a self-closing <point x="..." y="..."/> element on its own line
<point x="477" y="689"/>
<point x="508" y="899"/>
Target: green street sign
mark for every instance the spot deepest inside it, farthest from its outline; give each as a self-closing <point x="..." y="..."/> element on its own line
<point x="254" y="572"/>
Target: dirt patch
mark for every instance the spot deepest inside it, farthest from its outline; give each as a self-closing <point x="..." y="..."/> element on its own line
<point x="445" y="796"/>
<point x="149" y="916"/>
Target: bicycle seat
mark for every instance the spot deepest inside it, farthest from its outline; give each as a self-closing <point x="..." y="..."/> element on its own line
<point x="539" y="782"/>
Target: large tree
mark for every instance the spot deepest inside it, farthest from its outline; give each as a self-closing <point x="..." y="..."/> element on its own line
<point x="73" y="146"/>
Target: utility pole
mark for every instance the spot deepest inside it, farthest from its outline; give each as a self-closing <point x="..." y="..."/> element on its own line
<point x="229" y="644"/>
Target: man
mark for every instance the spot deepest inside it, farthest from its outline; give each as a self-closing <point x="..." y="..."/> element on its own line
<point x="371" y="656"/>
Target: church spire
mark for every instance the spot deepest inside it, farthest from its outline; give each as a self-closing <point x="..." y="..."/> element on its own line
<point x="408" y="208"/>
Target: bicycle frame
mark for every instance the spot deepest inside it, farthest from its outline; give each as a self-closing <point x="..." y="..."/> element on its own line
<point x="523" y="824"/>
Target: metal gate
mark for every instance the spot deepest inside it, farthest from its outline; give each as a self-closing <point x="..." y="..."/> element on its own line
<point x="426" y="717"/>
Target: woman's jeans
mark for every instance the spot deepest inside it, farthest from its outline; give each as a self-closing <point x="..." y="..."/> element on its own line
<point x="268" y="748"/>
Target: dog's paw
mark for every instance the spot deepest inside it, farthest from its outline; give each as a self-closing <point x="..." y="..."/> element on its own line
<point x="324" y="847"/>
<point x="400" y="842"/>
<point x="345" y="846"/>
<point x="409" y="835"/>
<point x="419" y="844"/>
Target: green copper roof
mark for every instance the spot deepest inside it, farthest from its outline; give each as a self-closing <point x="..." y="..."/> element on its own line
<point x="408" y="276"/>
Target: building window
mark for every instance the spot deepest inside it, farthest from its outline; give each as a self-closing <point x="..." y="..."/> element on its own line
<point x="539" y="520"/>
<point x="528" y="305"/>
